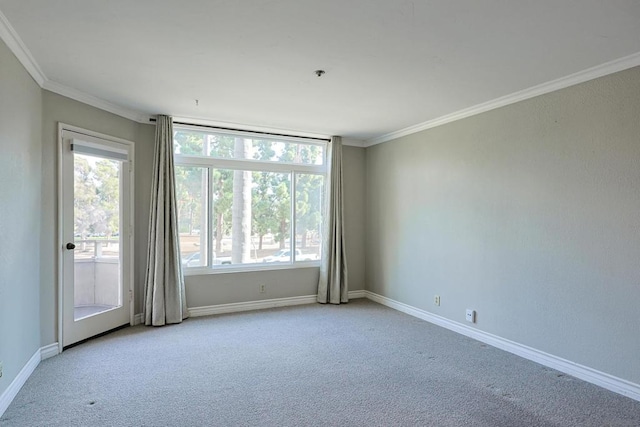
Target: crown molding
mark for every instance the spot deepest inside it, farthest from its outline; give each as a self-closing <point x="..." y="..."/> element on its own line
<point x="13" y="41"/>
<point x="19" y="49"/>
<point x="541" y="89"/>
<point x="94" y="101"/>
<point x="353" y="142"/>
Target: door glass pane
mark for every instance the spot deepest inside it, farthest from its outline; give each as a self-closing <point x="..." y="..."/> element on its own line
<point x="97" y="188"/>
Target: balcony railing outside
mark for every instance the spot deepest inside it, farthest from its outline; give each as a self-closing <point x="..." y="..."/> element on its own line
<point x="96" y="276"/>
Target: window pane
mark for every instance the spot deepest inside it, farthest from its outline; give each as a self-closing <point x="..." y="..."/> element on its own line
<point x="309" y="198"/>
<point x="236" y="207"/>
<point x="188" y="143"/>
<point x="96" y="186"/>
<point x="198" y="143"/>
<point x="252" y="216"/>
<point x="271" y="215"/>
<point x="226" y="146"/>
<point x="289" y="152"/>
<point x="191" y="194"/>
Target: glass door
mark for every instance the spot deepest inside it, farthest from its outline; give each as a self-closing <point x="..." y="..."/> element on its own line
<point x="96" y="237"/>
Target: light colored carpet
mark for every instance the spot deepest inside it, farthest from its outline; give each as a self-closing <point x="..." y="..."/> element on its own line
<point x="359" y="364"/>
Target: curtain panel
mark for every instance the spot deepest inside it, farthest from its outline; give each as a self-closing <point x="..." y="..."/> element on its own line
<point x="332" y="285"/>
<point x="164" y="292"/>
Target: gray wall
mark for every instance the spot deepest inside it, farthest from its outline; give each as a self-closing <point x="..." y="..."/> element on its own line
<point x="212" y="289"/>
<point x="57" y="108"/>
<point x="144" y="163"/>
<point x="20" y="130"/>
<point x="529" y="214"/>
<point x="353" y="165"/>
<point x="225" y="288"/>
<point x="202" y="290"/>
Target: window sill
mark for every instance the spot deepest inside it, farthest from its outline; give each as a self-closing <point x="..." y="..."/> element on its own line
<point x="247" y="268"/>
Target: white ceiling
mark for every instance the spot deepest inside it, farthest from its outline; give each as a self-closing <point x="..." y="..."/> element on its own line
<point x="390" y="64"/>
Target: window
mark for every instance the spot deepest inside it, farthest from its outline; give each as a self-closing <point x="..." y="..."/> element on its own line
<point x="246" y="200"/>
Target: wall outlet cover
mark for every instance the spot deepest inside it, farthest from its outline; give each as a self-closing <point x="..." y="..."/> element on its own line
<point x="471" y="315"/>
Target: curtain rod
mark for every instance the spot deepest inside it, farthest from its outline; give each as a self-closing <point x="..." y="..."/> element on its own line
<point x="248" y="131"/>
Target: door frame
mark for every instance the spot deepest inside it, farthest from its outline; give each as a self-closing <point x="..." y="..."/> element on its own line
<point x="128" y="273"/>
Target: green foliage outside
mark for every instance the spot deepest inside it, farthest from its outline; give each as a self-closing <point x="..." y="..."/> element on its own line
<point x="96" y="197"/>
<point x="270" y="191"/>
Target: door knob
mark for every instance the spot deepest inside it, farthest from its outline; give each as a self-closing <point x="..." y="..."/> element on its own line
<point x="71" y="246"/>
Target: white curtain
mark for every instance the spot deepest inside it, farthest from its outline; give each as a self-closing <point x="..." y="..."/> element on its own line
<point x="332" y="286"/>
<point x="164" y="293"/>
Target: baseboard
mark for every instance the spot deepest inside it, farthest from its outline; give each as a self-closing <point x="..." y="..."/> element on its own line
<point x="357" y="294"/>
<point x="604" y="380"/>
<point x="260" y="305"/>
<point x="251" y="305"/>
<point x="137" y="319"/>
<point x="12" y="391"/>
<point x="49" y="351"/>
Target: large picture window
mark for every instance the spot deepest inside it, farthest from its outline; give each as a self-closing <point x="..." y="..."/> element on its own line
<point x="248" y="201"/>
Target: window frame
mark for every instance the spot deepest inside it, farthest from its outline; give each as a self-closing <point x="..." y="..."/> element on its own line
<point x="211" y="163"/>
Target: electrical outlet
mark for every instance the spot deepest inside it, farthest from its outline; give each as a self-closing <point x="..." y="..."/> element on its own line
<point x="436" y="300"/>
<point x="471" y="315"/>
<point x="263" y="288"/>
